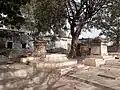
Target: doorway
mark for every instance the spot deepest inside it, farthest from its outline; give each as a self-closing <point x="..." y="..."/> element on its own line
<point x="9" y="45"/>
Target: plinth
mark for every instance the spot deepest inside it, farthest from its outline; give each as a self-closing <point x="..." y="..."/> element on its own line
<point x="40" y="49"/>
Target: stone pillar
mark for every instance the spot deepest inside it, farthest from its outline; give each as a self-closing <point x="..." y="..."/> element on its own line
<point x="104" y="49"/>
<point x="40" y="49"/>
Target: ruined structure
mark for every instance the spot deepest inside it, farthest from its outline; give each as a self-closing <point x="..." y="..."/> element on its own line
<point x="98" y="54"/>
<point x="14" y="43"/>
<point x="96" y="46"/>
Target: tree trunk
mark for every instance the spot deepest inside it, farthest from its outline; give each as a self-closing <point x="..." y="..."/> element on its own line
<point x="75" y="34"/>
<point x="73" y="53"/>
<point x="74" y="43"/>
<point x="117" y="43"/>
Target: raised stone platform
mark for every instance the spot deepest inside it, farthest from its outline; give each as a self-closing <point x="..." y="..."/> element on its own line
<point x="51" y="60"/>
<point x="97" y="60"/>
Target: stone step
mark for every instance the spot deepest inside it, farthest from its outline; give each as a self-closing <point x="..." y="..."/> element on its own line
<point x="93" y="78"/>
<point x="106" y="58"/>
<point x="56" y="58"/>
<point x="94" y="62"/>
<point x="113" y="62"/>
<point x="53" y="65"/>
<point x="112" y="66"/>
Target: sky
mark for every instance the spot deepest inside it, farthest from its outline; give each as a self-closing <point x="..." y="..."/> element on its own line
<point x="94" y="33"/>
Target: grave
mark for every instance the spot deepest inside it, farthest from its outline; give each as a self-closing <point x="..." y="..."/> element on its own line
<point x="39" y="53"/>
<point x="41" y="59"/>
<point x="98" y="54"/>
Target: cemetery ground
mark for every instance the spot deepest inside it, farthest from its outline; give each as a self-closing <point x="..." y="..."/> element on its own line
<point x="104" y="77"/>
<point x="60" y="74"/>
<point x="55" y="71"/>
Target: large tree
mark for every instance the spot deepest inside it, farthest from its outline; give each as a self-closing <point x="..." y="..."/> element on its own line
<point x="10" y="13"/>
<point x="80" y="13"/>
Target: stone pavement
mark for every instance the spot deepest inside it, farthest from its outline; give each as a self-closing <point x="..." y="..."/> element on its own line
<point x="105" y="77"/>
<point x="24" y="77"/>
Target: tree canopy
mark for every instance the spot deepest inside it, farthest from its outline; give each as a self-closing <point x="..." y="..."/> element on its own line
<point x="109" y="22"/>
<point x="50" y="15"/>
<point x="10" y="13"/>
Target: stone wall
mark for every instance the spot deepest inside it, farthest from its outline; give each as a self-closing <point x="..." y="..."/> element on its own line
<point x="112" y="48"/>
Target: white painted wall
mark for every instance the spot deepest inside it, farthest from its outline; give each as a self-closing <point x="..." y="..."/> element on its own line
<point x="95" y="50"/>
<point x="104" y="49"/>
<point x="63" y="43"/>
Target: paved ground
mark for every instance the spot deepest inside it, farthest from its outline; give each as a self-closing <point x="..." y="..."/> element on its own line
<point x="71" y="84"/>
<point x="105" y="77"/>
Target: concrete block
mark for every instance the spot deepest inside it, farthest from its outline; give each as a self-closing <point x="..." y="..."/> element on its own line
<point x="94" y="62"/>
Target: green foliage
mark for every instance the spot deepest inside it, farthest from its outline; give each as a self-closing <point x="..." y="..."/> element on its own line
<point x="109" y="22"/>
<point x="50" y="15"/>
<point x="11" y="8"/>
<point x="28" y="11"/>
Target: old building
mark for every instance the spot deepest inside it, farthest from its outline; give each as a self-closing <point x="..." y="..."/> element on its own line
<point x="89" y="46"/>
<point x="14" y="42"/>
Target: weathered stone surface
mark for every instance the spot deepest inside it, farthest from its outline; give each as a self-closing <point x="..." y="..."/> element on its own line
<point x="92" y="78"/>
<point x="13" y="71"/>
<point x="56" y="58"/>
<point x="97" y="60"/>
<point x="40" y="49"/>
<point x="31" y="59"/>
<point x="94" y="62"/>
